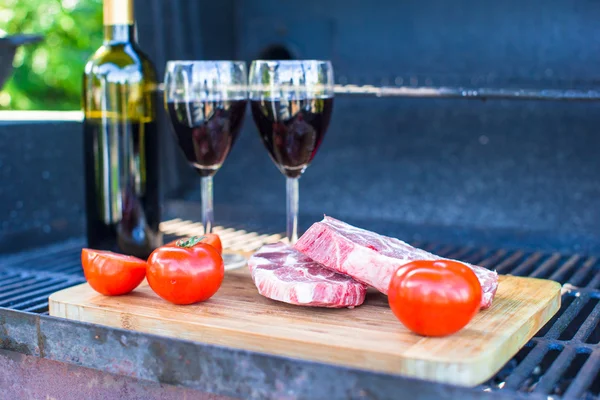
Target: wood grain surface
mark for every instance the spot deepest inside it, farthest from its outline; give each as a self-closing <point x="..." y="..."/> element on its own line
<point x="367" y="337"/>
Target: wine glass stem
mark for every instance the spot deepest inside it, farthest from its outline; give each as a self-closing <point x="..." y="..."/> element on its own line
<point x="207" y="203"/>
<point x="292" y="210"/>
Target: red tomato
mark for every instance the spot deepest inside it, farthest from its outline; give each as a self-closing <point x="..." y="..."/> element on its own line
<point x="112" y="274"/>
<point x="185" y="275"/>
<point x="210" y="238"/>
<point x="434" y="298"/>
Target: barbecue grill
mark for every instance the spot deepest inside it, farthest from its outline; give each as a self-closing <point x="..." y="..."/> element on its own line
<point x="488" y="156"/>
<point x="561" y="361"/>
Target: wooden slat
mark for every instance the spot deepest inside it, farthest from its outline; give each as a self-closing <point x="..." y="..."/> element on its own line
<point x="237" y="240"/>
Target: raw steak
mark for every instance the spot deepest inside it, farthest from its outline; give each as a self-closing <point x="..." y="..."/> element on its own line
<point x="371" y="258"/>
<point x="282" y="273"/>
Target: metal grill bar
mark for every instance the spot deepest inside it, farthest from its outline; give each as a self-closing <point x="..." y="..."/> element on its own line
<point x="444" y="250"/>
<point x="589" y="325"/>
<point x="525" y="368"/>
<point x="66" y="260"/>
<point x="542" y="369"/>
<point x="18" y="284"/>
<point x="55" y="256"/>
<point x="476" y="257"/>
<point x="585" y="377"/>
<point x="460" y="253"/>
<point x="560" y="273"/>
<point x="549" y="264"/>
<point x="41" y="308"/>
<point x="565" y="319"/>
<point x="492" y="259"/>
<point x="583" y="272"/>
<point x="29" y="291"/>
<point x="553" y="374"/>
<point x="71" y="270"/>
<point x="595" y="282"/>
<point x="469" y="93"/>
<point x="509" y="262"/>
<point x="41" y="289"/>
<point x="34" y="299"/>
<point x="9" y="280"/>
<point x="522" y="268"/>
<point x="447" y="92"/>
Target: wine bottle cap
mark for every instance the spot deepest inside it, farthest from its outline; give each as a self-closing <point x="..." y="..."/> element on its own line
<point x="118" y="12"/>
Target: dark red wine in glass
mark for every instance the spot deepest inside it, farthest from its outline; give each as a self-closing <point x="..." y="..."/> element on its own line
<point x="292" y="130"/>
<point x="292" y="103"/>
<point x="206" y="130"/>
<point x="206" y="103"/>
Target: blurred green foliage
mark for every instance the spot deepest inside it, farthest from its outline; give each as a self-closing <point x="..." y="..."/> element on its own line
<point x="48" y="75"/>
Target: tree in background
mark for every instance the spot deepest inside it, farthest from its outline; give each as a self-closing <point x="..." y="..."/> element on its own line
<point x="47" y="75"/>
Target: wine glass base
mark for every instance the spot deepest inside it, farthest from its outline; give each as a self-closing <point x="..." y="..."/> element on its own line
<point x="233" y="261"/>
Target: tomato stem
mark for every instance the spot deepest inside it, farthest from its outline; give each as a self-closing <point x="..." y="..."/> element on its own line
<point x="190" y="242"/>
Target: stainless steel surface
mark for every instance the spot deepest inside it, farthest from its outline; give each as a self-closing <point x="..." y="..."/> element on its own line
<point x="448" y="92"/>
<point x="470" y="93"/>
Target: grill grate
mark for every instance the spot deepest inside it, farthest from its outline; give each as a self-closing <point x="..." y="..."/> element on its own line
<point x="561" y="361"/>
<point x="29" y="291"/>
<point x="563" y="357"/>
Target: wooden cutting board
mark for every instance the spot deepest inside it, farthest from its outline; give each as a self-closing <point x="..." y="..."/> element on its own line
<point x="367" y="337"/>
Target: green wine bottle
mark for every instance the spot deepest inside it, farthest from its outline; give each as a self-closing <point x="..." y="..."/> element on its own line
<point x="121" y="149"/>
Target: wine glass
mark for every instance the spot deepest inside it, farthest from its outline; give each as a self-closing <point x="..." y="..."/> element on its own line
<point x="291" y="103"/>
<point x="206" y="103"/>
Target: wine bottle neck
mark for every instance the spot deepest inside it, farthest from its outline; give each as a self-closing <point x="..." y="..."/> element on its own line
<point x="118" y="21"/>
<point x="119" y="33"/>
